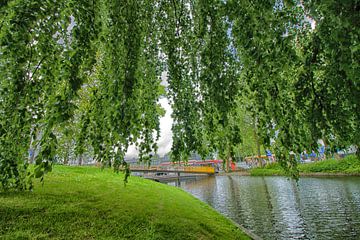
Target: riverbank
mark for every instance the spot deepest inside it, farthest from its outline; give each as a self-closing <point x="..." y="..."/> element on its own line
<point x="349" y="166"/>
<point x="87" y="203"/>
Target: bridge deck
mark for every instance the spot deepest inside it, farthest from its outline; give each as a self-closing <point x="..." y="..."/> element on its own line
<point x="174" y="169"/>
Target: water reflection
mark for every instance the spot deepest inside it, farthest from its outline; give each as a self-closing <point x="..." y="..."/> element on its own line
<point x="279" y="208"/>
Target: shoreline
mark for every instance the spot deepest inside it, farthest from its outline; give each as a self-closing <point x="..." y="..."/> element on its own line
<point x="302" y="174"/>
<point x="328" y="174"/>
<point x="348" y="166"/>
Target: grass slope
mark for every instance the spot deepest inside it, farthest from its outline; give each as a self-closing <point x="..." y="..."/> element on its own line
<point x="348" y="165"/>
<point x="87" y="203"/>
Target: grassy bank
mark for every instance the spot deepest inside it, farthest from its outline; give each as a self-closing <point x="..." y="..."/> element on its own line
<point x="349" y="165"/>
<point x="87" y="203"/>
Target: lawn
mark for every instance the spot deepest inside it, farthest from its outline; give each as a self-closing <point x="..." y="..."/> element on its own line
<point x="89" y="203"/>
<point x="349" y="165"/>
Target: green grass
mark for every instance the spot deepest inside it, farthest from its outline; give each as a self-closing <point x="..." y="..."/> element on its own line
<point x="348" y="165"/>
<point x="273" y="169"/>
<point x="87" y="203"/>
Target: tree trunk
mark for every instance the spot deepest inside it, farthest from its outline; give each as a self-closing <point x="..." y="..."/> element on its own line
<point x="227" y="166"/>
<point x="256" y="137"/>
<point x="80" y="160"/>
<point x="67" y="155"/>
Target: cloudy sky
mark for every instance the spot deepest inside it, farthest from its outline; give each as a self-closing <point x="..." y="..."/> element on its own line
<point x="165" y="140"/>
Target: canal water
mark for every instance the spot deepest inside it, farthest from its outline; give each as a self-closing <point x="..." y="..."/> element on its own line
<point x="281" y="208"/>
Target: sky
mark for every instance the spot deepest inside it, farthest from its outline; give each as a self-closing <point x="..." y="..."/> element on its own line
<point x="165" y="140"/>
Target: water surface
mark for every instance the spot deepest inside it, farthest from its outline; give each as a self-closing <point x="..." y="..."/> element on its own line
<point x="279" y="208"/>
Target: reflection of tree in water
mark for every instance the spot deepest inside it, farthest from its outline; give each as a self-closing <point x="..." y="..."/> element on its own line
<point x="276" y="208"/>
<point x="251" y="204"/>
<point x="203" y="188"/>
<point x="341" y="217"/>
<point x="266" y="209"/>
<point x="268" y="196"/>
<point x="352" y="209"/>
<point x="235" y="201"/>
<point x="318" y="209"/>
<point x="299" y="208"/>
<point x="254" y="205"/>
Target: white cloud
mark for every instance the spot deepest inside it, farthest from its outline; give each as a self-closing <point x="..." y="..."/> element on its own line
<point x="165" y="140"/>
<point x="164" y="78"/>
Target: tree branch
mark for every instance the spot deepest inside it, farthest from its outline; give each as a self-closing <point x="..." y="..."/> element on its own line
<point x="37" y="67"/>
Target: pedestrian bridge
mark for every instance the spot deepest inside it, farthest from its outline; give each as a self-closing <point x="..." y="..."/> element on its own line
<point x="174" y="169"/>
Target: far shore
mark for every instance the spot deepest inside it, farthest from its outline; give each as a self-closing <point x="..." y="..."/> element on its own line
<point x="348" y="166"/>
<point x="314" y="174"/>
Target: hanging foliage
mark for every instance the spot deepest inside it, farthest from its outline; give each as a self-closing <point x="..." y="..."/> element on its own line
<point x="85" y="76"/>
